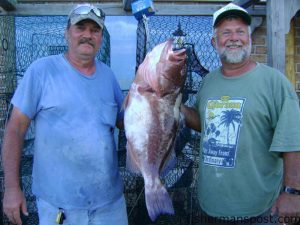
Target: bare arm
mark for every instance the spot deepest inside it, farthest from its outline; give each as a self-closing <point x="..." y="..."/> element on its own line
<point x="191" y="116"/>
<point x="292" y="169"/>
<point x="288" y="205"/>
<point x="14" y="199"/>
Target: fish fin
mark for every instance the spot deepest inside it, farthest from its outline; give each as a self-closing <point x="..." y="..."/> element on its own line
<point x="170" y="164"/>
<point x="158" y="201"/>
<point x="130" y="162"/>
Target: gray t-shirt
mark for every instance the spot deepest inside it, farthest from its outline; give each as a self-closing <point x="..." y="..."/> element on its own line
<point x="75" y="158"/>
<point x="247" y="121"/>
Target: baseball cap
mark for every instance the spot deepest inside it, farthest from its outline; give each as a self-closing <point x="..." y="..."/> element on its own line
<point x="87" y="11"/>
<point x="231" y="9"/>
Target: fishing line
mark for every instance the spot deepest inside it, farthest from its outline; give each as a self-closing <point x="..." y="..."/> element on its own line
<point x="136" y="201"/>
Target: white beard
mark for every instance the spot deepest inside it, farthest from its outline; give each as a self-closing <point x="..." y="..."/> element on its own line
<point x="234" y="56"/>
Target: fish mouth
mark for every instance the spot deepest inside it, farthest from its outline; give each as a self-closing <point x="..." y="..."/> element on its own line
<point x="175" y="56"/>
<point x="170" y="43"/>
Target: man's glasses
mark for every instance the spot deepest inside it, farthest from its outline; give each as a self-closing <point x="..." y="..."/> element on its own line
<point x="86" y="9"/>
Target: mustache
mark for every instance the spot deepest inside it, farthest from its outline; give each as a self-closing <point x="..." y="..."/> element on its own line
<point x="86" y="40"/>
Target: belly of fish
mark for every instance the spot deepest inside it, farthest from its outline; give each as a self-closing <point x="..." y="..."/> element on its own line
<point x="150" y="129"/>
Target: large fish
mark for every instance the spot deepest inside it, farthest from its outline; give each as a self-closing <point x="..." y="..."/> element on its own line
<point x="151" y="121"/>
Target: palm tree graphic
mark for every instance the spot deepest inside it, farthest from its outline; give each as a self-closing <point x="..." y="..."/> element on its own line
<point x="230" y="117"/>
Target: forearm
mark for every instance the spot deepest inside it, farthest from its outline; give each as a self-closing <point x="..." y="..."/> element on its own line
<point x="191" y="116"/>
<point x="12" y="147"/>
<point x="292" y="169"/>
<point x="288" y="205"/>
<point x="11" y="156"/>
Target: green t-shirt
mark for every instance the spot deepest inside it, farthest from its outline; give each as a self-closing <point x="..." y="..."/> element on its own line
<point x="247" y="121"/>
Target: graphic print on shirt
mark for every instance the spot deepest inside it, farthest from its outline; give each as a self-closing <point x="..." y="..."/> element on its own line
<point x="222" y="126"/>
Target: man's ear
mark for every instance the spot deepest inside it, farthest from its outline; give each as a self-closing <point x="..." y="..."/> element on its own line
<point x="213" y="42"/>
<point x="66" y="35"/>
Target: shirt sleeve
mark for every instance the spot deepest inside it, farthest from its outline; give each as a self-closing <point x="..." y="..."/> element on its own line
<point x="119" y="96"/>
<point x="197" y="102"/>
<point x="27" y="95"/>
<point x="286" y="136"/>
<point x="287" y="132"/>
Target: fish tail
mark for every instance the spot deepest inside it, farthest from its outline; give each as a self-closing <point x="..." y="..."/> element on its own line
<point x="158" y="201"/>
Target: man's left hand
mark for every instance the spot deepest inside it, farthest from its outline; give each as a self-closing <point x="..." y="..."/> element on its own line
<point x="287" y="207"/>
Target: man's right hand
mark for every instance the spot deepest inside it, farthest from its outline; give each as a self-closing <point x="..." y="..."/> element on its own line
<point x="14" y="200"/>
<point x="14" y="203"/>
<point x="191" y="117"/>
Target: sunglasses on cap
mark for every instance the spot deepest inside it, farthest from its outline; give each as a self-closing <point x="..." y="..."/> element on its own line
<point x="86" y="9"/>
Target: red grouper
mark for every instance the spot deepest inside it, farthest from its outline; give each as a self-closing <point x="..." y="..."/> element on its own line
<point x="152" y="109"/>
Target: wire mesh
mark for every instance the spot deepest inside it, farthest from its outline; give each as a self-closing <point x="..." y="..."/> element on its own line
<point x="7" y="78"/>
<point x="198" y="32"/>
<point x="7" y="66"/>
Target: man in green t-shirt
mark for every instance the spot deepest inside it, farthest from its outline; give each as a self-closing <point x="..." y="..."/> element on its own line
<point x="249" y="117"/>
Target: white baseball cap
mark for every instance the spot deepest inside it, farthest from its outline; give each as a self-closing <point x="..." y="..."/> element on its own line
<point x="231" y="9"/>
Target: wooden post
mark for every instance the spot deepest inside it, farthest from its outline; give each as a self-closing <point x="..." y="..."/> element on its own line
<point x="290" y="54"/>
<point x="279" y="15"/>
<point x="8" y="5"/>
<point x="276" y="34"/>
